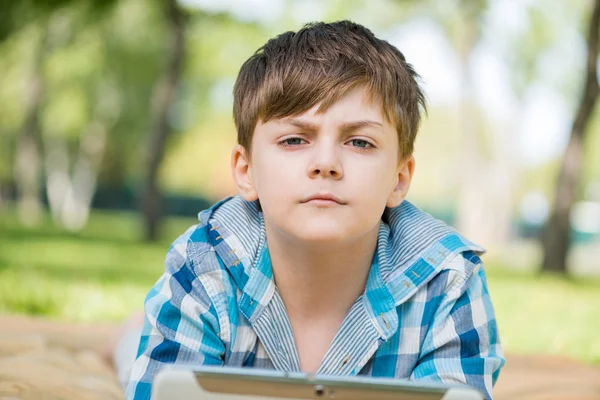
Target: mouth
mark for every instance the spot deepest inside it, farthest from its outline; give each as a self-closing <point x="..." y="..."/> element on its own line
<point x="323" y="199"/>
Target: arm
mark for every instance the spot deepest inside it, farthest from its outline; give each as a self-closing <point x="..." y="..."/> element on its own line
<point x="181" y="324"/>
<point x="462" y="343"/>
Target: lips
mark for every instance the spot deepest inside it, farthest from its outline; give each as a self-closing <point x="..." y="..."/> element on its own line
<point x="324" y="198"/>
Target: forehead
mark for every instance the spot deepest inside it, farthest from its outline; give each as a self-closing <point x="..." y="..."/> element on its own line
<point x="356" y="104"/>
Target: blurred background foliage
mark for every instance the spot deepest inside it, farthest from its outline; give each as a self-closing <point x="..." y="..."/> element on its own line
<point x="104" y="126"/>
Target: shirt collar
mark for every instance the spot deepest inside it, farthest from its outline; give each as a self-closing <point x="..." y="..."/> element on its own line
<point x="412" y="247"/>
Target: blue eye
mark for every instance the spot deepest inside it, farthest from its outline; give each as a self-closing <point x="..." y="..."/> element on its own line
<point x="293" y="141"/>
<point x="363" y="144"/>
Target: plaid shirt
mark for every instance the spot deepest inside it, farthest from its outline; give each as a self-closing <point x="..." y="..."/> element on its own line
<point x="426" y="313"/>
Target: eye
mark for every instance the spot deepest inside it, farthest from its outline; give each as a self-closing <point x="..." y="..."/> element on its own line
<point x="293" y="141"/>
<point x="360" y="143"/>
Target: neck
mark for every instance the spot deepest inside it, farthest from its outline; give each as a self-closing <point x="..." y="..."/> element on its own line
<point x="331" y="278"/>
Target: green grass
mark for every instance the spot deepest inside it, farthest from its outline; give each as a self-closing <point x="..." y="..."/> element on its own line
<point x="100" y="274"/>
<point x="104" y="273"/>
<point x="547" y="314"/>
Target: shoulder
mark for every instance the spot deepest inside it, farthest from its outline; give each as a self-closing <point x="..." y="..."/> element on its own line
<point x="410" y="236"/>
<point x="189" y="250"/>
<point x="459" y="271"/>
<point x="218" y="226"/>
<point x="219" y="251"/>
<point x="184" y="268"/>
<point x="463" y="265"/>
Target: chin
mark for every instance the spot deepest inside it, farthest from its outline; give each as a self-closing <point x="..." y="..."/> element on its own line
<point x="319" y="232"/>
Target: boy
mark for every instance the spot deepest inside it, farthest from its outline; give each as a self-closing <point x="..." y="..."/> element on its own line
<point x="319" y="265"/>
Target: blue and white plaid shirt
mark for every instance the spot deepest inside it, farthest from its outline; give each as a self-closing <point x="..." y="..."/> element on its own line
<point x="426" y="313"/>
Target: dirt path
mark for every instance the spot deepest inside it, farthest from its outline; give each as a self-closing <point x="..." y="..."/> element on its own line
<point x="51" y="360"/>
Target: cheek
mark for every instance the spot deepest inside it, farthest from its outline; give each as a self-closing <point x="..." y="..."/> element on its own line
<point x="376" y="175"/>
<point x="275" y="184"/>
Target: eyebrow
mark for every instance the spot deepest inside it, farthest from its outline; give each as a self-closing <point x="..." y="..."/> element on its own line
<point x="346" y="127"/>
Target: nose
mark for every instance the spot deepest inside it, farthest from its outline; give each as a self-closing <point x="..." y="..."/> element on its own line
<point x="326" y="162"/>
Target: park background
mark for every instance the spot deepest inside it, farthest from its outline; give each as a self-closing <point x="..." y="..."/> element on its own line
<point x="116" y="130"/>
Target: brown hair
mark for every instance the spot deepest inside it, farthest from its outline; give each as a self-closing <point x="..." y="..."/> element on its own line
<point x="319" y="64"/>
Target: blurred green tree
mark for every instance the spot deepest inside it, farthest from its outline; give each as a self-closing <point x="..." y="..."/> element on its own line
<point x="101" y="102"/>
<point x="557" y="231"/>
<point x="50" y="16"/>
<point x="27" y="155"/>
<point x="163" y="98"/>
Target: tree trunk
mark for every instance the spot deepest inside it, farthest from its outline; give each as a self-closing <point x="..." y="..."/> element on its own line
<point x="58" y="181"/>
<point x="70" y="198"/>
<point x="27" y="156"/>
<point x="556" y="235"/>
<point x="163" y="99"/>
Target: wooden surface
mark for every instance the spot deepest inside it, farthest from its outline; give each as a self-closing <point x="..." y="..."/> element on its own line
<point x="55" y="361"/>
<point x="41" y="359"/>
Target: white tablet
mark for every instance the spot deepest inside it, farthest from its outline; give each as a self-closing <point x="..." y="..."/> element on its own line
<point x="225" y="383"/>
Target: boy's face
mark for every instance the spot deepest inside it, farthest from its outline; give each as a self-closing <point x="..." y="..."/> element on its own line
<point x="325" y="178"/>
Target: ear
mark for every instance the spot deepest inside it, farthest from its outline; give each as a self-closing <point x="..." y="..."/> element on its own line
<point x="242" y="173"/>
<point x="404" y="175"/>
